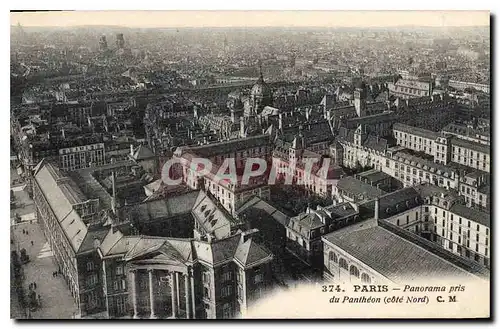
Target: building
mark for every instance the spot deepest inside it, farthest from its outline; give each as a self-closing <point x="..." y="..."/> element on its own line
<point x="304" y="232"/>
<point x="411" y="169"/>
<point x="78" y="157"/>
<point x="260" y="97"/>
<point x="103" y="44"/>
<point x="476" y="189"/>
<point x="468" y="132"/>
<point x="120" y="41"/>
<point x="156" y="259"/>
<point x="156" y="277"/>
<point x="354" y="189"/>
<point x="229" y="194"/>
<point x="414" y="138"/>
<point x="409" y="88"/>
<point x="470" y="154"/>
<point x="64" y="213"/>
<point x="291" y="154"/>
<point x="372" y="253"/>
<point x="362" y="149"/>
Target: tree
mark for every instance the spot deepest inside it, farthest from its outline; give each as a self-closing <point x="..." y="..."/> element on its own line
<point x="24" y="256"/>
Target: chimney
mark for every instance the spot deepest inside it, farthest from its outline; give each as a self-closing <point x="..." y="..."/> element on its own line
<point x="113" y="201"/>
<point x="63" y="134"/>
<point x="377" y="206"/>
<point x="248" y="234"/>
<point x="131" y="150"/>
<point x="280" y="121"/>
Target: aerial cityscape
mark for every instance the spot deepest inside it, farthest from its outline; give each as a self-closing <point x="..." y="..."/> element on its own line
<point x="188" y="173"/>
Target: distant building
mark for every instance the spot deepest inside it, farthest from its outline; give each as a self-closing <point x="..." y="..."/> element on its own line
<point x="103" y="44"/>
<point x="120" y="41"/>
<point x="406" y="88"/>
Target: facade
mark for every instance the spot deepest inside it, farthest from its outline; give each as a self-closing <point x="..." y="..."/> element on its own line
<point x="362" y="149"/>
<point x="304" y="231"/>
<point x="409" y="88"/>
<point x="470" y="154"/>
<point x="411" y="170"/>
<point x="414" y="138"/>
<point x="154" y="277"/>
<point x="469" y="133"/>
<point x="228" y="194"/>
<point x="63" y="213"/>
<point x="475" y="187"/>
<point x="349" y="257"/>
<point x="78" y="157"/>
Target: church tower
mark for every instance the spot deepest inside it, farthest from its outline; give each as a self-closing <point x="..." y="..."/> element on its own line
<point x="360" y="99"/>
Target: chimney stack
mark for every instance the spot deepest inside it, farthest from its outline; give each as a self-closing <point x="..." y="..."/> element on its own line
<point x="248" y="234"/>
<point x="131" y="150"/>
<point x="377" y="206"/>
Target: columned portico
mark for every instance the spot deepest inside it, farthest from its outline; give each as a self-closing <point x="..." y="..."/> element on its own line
<point x="152" y="303"/>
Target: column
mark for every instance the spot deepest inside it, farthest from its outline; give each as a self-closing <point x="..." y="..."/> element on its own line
<point x="191" y="278"/>
<point x="188" y="300"/>
<point x="178" y="289"/>
<point x="134" y="293"/>
<point x="151" y="295"/>
<point x="173" y="286"/>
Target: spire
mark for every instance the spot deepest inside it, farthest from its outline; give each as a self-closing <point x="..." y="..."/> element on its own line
<point x="261" y="77"/>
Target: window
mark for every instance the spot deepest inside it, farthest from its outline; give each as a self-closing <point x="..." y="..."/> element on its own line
<point x="206" y="278"/>
<point x="354" y="271"/>
<point x="90" y="266"/>
<point x="343" y="264"/>
<point x="206" y="293"/>
<point x="258" y="278"/>
<point x="119" y="270"/>
<point x="365" y="278"/>
<point x="333" y="257"/>
<point x="227" y="276"/>
<point x="450" y="245"/>
<point x="407" y="219"/>
<point x="226" y="291"/>
<point x="92" y="280"/>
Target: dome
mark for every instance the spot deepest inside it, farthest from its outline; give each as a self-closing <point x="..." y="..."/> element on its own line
<point x="260" y="89"/>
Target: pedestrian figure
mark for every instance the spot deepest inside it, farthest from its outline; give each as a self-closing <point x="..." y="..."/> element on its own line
<point x="34" y="284"/>
<point x="24" y="232"/>
<point x="31" y="242"/>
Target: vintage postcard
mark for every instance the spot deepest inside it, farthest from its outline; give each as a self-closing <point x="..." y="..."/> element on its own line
<point x="250" y="164"/>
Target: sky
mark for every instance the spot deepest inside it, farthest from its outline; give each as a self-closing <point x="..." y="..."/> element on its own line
<point x="150" y="19"/>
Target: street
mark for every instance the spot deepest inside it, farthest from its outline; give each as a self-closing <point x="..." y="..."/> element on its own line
<point x="56" y="299"/>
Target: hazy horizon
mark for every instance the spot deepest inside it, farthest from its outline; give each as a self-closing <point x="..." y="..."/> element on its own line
<point x="256" y="19"/>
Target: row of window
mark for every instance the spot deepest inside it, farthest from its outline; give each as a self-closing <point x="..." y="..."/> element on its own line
<point x="353" y="270"/>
